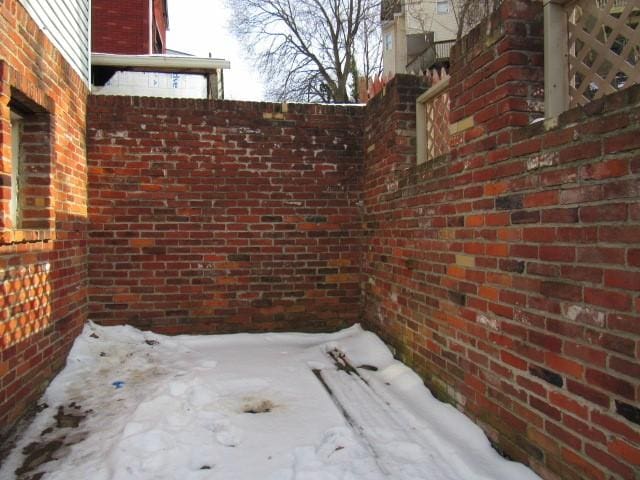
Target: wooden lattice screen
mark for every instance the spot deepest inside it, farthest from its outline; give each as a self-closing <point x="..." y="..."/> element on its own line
<point x="432" y="121"/>
<point x="437" y="112"/>
<point x="604" y="47"/>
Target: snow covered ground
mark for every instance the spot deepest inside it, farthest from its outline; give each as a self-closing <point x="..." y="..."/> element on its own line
<point x="136" y="405"/>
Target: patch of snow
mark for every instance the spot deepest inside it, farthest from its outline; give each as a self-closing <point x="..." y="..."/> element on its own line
<point x="249" y="406"/>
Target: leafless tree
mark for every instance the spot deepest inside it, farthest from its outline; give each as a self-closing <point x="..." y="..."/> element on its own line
<point x="470" y="13"/>
<point x="310" y="50"/>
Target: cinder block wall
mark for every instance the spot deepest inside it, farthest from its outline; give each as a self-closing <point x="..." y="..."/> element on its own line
<point x="224" y="216"/>
<point x="508" y="272"/>
<point x="43" y="266"/>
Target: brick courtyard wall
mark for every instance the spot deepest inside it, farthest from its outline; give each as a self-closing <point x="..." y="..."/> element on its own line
<point x="43" y="269"/>
<point x="224" y="216"/>
<point x="508" y="272"/>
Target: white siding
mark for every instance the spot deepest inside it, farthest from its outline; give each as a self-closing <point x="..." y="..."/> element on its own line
<point x="66" y="23"/>
<point x="148" y="84"/>
<point x="423" y="16"/>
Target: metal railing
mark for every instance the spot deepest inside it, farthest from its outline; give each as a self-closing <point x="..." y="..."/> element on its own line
<point x="616" y="3"/>
<point x="436" y="53"/>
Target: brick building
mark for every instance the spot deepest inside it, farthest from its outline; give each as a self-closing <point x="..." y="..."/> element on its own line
<point x="133" y="27"/>
<point x="130" y="56"/>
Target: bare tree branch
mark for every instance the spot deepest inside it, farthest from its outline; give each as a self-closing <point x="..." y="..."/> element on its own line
<point x="310" y="50"/>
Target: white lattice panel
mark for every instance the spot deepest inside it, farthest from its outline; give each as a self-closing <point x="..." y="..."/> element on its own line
<point x="604" y="48"/>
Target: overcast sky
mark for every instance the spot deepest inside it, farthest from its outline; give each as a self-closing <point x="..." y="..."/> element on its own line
<point x="201" y="26"/>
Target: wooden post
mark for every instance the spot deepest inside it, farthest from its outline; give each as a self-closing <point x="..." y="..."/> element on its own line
<point x="421" y="130"/>
<point x="556" y="59"/>
<point x="400" y="45"/>
<point x="212" y="86"/>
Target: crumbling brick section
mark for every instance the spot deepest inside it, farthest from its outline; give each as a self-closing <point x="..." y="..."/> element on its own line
<point x="508" y="272"/>
<point x="224" y="216"/>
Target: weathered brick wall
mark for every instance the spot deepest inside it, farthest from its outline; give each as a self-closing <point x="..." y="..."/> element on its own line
<point x="224" y="216"/>
<point x="120" y="27"/>
<point x="43" y="281"/>
<point x="508" y="272"/>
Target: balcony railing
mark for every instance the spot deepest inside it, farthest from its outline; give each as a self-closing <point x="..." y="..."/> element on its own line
<point x="616" y="3"/>
<point x="435" y="54"/>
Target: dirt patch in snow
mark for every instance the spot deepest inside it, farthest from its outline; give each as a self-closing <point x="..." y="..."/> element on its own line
<point x="256" y="406"/>
<point x="38" y="453"/>
<point x="55" y="440"/>
<point x="70" y="417"/>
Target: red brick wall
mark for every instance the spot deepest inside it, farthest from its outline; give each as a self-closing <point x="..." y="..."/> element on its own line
<point x="508" y="273"/>
<point x="120" y="27"/>
<point x="224" y="216"/>
<point x="43" y="280"/>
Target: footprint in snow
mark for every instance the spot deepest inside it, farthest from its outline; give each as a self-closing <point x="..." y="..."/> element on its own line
<point x="227" y="434"/>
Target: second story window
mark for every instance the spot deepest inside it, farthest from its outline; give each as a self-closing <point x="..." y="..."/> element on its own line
<point x="388" y="41"/>
<point x="443" y="7"/>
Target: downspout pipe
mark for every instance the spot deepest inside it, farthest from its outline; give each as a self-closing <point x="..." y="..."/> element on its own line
<point x="150" y="27"/>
